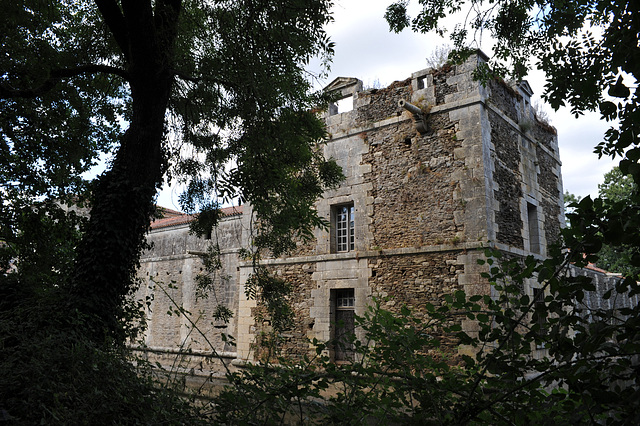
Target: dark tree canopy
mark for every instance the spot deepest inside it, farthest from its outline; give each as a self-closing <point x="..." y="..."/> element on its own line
<point x="214" y="94"/>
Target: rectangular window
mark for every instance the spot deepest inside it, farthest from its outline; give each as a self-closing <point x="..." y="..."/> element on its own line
<point x="539" y="308"/>
<point x="344" y="228"/>
<point x="534" y="228"/>
<point x="343" y="324"/>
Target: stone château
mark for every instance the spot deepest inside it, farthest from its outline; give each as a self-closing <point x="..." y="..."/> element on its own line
<point x="425" y="192"/>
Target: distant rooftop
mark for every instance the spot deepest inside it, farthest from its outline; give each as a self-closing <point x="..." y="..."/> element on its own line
<point x="174" y="217"/>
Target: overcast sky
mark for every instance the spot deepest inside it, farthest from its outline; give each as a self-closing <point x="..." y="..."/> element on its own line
<point x="365" y="49"/>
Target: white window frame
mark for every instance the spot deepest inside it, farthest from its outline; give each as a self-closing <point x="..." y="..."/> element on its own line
<point x="344" y="228"/>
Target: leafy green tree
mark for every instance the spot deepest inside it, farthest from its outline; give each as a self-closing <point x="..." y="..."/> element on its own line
<point x="617" y="188"/>
<point x="569" y="200"/>
<point x="213" y="94"/>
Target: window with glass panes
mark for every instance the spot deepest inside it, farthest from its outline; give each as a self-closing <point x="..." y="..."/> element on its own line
<point x="345" y="228"/>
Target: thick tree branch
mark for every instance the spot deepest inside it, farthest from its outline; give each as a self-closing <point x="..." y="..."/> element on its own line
<point x="56" y="75"/>
<point x="114" y="19"/>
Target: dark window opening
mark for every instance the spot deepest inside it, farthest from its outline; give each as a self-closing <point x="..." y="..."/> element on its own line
<point x="539" y="309"/>
<point x="343" y="304"/>
<point x="534" y="228"/>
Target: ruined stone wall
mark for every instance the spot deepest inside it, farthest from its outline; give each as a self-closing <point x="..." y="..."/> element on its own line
<point x="507" y="175"/>
<point x="550" y="188"/>
<point x="442" y="88"/>
<point x="504" y="98"/>
<point x="526" y="178"/>
<point x="544" y="134"/>
<point x="413" y="183"/>
<point x="413" y="195"/>
<point x="380" y="104"/>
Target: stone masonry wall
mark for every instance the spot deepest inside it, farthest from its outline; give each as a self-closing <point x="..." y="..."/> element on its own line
<point x="550" y="187"/>
<point x="442" y="87"/>
<point x="504" y="98"/>
<point x="294" y="341"/>
<point x="507" y="175"/>
<point x="413" y="185"/>
<point x="379" y="104"/>
<point x="414" y="280"/>
<point x="169" y="273"/>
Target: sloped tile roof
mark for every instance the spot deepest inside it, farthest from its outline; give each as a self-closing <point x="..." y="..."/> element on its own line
<point x="174" y="218"/>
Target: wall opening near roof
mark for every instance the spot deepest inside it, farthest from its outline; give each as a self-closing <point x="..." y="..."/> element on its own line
<point x="345" y="104"/>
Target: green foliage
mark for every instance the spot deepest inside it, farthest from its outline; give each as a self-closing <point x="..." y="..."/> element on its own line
<point x="164" y="90"/>
<point x="616" y="186"/>
<point x="392" y="381"/>
<point x="569" y="207"/>
<point x="38" y="242"/>
<point x="51" y="374"/>
<point x="169" y="91"/>
<point x="570" y="198"/>
<point x="616" y="192"/>
<point x="558" y="360"/>
<point x="50" y="137"/>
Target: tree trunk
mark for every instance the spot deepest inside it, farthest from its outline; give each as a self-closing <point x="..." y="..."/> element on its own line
<point x="122" y="205"/>
<point x="122" y="200"/>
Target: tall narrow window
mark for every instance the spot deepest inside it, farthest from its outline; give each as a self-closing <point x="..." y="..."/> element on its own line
<point x="344" y="228"/>
<point x="539" y="306"/>
<point x="534" y="228"/>
<point x="343" y="304"/>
